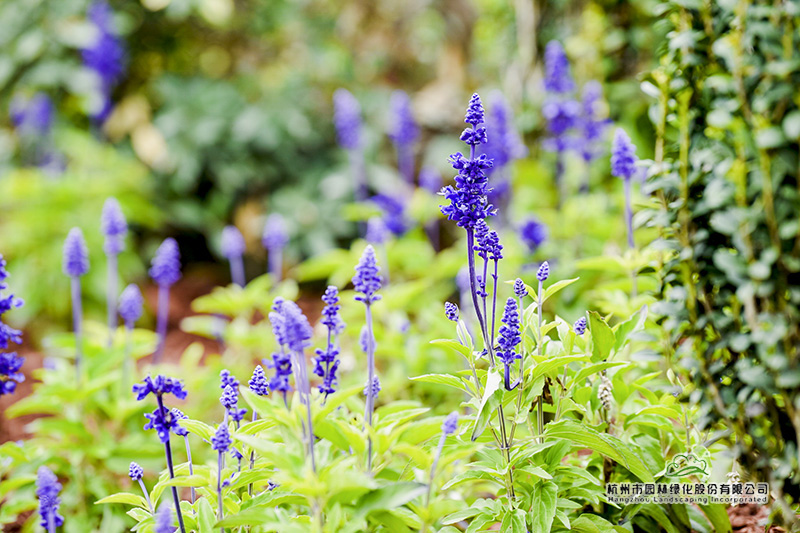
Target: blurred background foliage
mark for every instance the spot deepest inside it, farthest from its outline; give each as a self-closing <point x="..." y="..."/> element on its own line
<point x="221" y="112"/>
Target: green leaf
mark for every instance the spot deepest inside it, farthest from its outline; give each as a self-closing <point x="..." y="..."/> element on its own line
<point x="470" y="475"/>
<point x="492" y="396"/>
<point x="634" y="323"/>
<point x="603" y="338"/>
<point x="591" y="523"/>
<point x="455" y="346"/>
<point x="443" y="379"/>
<point x="557" y="286"/>
<point x="198" y="428"/>
<point x="463" y="514"/>
<point x="205" y="516"/>
<point x="553" y="363"/>
<point x="594" y="369"/>
<point x="607" y="445"/>
<point x="716" y="514"/>
<point x="390" y="497"/>
<point x="124" y="497"/>
<point x="543" y="510"/>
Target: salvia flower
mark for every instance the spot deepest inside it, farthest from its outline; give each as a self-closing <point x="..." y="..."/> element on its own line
<point x="533" y="233"/>
<point x="509" y="333"/>
<point x="503" y="148"/>
<point x="47" y="489"/>
<point x="221" y="440"/>
<point x="393" y="208"/>
<point x="592" y="127"/>
<point x="623" y="156"/>
<point x="159" y="386"/>
<point x="451" y="311"/>
<point x="105" y="55"/>
<point x="404" y="128"/>
<point x="76" y="254"/>
<point x="367" y="281"/>
<point x="165" y="268"/>
<point x="163" y="422"/>
<point x="430" y="179"/>
<point x="450" y="424"/>
<point x="114" y="226"/>
<point x="230" y="401"/>
<point x="32" y="116"/>
<point x="558" y="78"/>
<point x="135" y="472"/>
<point x="163" y="522"/>
<point x="298" y="330"/>
<point x="519" y="288"/>
<point x="275" y="235"/>
<point x="544" y="271"/>
<point x="326" y="364"/>
<point x="130" y="305"/>
<point x="258" y="382"/>
<point x="330" y="313"/>
<point x="580" y="326"/>
<point x="377" y="232"/>
<point x="468" y="201"/>
<point x="179" y="430"/>
<point x="226" y="379"/>
<point x="232" y="245"/>
<point x="562" y="116"/>
<point x="374" y="389"/>
<point x="347" y="119"/>
<point x="282" y="363"/>
<point x="10" y="375"/>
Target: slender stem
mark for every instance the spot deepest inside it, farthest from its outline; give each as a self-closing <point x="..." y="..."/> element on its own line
<point x="252" y="458"/>
<point x="276" y="263"/>
<point x="146" y="496"/>
<point x="219" y="489"/>
<point x="126" y="362"/>
<point x="191" y="466"/>
<point x="494" y="304"/>
<point x="301" y="377"/>
<point x="405" y="162"/>
<point x="539" y="401"/>
<point x="370" y="407"/>
<point x="170" y="467"/>
<point x="559" y="179"/>
<point x="51" y="523"/>
<point x="237" y="270"/>
<point x="629" y="212"/>
<point x="476" y="305"/>
<point x="111" y="296"/>
<point x="433" y="467"/>
<point x="77" y="319"/>
<point x="161" y="325"/>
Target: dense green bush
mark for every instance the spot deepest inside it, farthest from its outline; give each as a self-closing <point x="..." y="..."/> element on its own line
<point x="726" y="182"/>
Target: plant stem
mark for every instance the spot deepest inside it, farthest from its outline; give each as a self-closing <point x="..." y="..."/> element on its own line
<point x="191" y="467"/>
<point x="111" y="296"/>
<point x="539" y="401"/>
<point x="301" y="378"/>
<point x="433" y="467"/>
<point x="370" y="378"/>
<point x="219" y="489"/>
<point x="146" y="497"/>
<point x="161" y="325"/>
<point x="252" y="458"/>
<point x="276" y="263"/>
<point x="170" y="467"/>
<point x="77" y="319"/>
<point x="237" y="270"/>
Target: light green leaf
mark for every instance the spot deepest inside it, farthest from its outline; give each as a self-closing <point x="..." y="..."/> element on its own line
<point x="492" y="396"/>
<point x="124" y="497"/>
<point x="543" y="510"/>
<point x="390" y="497"/>
<point x="603" y="338"/>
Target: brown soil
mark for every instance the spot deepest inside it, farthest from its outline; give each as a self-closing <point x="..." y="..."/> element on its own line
<point x="751" y="518"/>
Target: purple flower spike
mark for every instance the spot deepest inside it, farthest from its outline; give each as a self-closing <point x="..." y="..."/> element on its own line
<point x="114" y="226"/>
<point x="159" y="386"/>
<point x="135" y="472"/>
<point x="326" y="364"/>
<point x="376" y="231"/>
<point x="430" y="179"/>
<point x="258" y="382"/>
<point x="232" y="242"/>
<point x="32" y="116"/>
<point x="347" y="118"/>
<point x="404" y="129"/>
<point x="47" y="489"/>
<point x="580" y="326"/>
<point x="10" y="375"/>
<point x="298" y="330"/>
<point x="592" y="128"/>
<point x="163" y="523"/>
<point x="533" y="233"/>
<point x="374" y="389"/>
<point x="451" y="311"/>
<point x="165" y="268"/>
<point x="105" y="55"/>
<point x="557" y="77"/>
<point x="367" y="281"/>
<point x="130" y="305"/>
<point x="275" y="238"/>
<point x="544" y="271"/>
<point x="623" y="156"/>
<point x="76" y="254"/>
<point x="450" y="424"/>
<point x="519" y="288"/>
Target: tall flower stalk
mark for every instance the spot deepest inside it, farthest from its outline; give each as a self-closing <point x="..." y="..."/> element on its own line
<point x="259" y="386"/>
<point x="541" y="275"/>
<point x="559" y="109"/>
<point x="165" y="271"/>
<point x="164" y="422"/>
<point x="233" y="249"/>
<point x="449" y="426"/>
<point x="183" y="432"/>
<point x="221" y="442"/>
<point x="10" y="362"/>
<point x="623" y="166"/>
<point x="114" y="227"/>
<point x="105" y="56"/>
<point x="591" y="128"/>
<point x="130" y="309"/>
<point x="347" y="119"/>
<point x="367" y="282"/>
<point x="327" y="361"/>
<point x="404" y="133"/>
<point x="274" y="240"/>
<point x="135" y="472"/>
<point x="76" y="264"/>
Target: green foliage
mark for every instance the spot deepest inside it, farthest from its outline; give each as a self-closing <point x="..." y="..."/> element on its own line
<point x="726" y="180"/>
